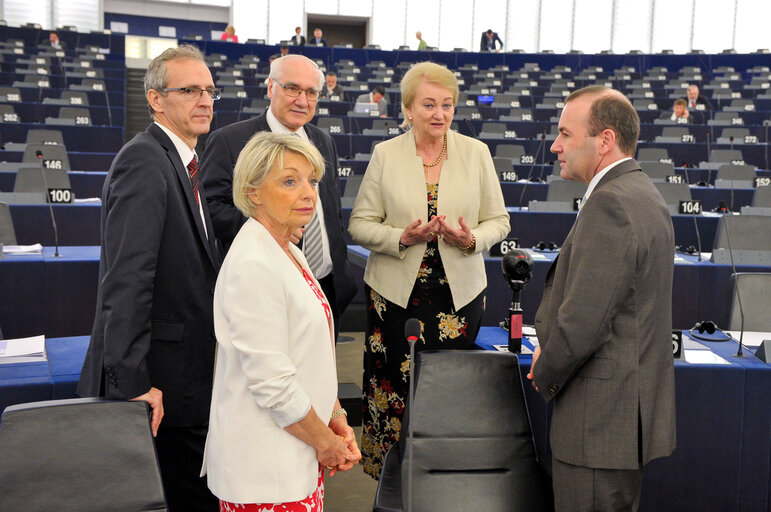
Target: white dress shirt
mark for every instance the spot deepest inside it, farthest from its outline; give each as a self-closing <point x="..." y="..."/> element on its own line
<point x="186" y="155"/>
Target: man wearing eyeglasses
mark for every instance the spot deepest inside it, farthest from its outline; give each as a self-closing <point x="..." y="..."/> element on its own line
<point x="294" y="85"/>
<point x="153" y="335"/>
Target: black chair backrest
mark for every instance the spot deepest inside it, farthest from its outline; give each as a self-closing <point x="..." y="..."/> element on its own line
<point x="7" y="233"/>
<point x="755" y="291"/>
<point x="673" y="193"/>
<point x="30" y="179"/>
<point x="472" y="441"/>
<point x="87" y="454"/>
<point x="762" y="197"/>
<point x="747" y="233"/>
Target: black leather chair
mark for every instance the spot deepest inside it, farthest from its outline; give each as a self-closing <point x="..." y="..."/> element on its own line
<point x="85" y="455"/>
<point x="472" y="447"/>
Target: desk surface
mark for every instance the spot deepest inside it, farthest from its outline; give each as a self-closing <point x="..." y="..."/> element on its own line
<point x="698" y="291"/>
<point x="723" y="455"/>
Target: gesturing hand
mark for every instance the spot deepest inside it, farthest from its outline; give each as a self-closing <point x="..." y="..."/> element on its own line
<point x="415" y="233"/>
<point x="458" y="237"/>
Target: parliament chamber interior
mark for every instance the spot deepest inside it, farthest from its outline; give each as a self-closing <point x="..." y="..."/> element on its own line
<point x="63" y="113"/>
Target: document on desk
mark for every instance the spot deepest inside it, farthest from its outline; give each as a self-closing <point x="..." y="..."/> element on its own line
<point x="703" y="357"/>
<point x="23" y="350"/>
<point x="505" y="348"/>
<point x="23" y="249"/>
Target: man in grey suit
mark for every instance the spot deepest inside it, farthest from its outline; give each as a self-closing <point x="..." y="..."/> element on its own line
<point x="604" y="323"/>
<point x="377" y="96"/>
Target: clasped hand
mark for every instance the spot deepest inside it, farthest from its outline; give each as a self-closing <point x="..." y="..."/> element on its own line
<point x="343" y="453"/>
<point x="437" y="226"/>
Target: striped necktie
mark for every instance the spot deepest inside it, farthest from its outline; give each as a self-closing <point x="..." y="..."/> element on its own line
<point x="312" y="246"/>
<point x="192" y="170"/>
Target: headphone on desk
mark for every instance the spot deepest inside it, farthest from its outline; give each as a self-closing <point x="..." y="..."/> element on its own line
<point x="708" y="326"/>
<point x="546" y="246"/>
<point x="687" y="250"/>
<point x="708" y="331"/>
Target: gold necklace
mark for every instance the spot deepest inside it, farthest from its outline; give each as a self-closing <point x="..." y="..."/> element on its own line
<point x="441" y="155"/>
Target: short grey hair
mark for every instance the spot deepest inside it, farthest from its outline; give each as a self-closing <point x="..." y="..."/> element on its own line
<point x="277" y="67"/>
<point x="155" y="77"/>
<point x="263" y="154"/>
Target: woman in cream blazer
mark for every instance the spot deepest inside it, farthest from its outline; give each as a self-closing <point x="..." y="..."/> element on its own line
<point x="275" y="421"/>
<point x="430" y="203"/>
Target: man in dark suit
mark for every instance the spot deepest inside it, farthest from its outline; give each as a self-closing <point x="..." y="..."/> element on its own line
<point x="293" y="89"/>
<point x="298" y="39"/>
<point x="605" y="321"/>
<point x="54" y="42"/>
<point x="317" y="39"/>
<point x="153" y="336"/>
<point x="331" y="87"/>
<point x="377" y="96"/>
<point x="489" y="42"/>
<point x="695" y="101"/>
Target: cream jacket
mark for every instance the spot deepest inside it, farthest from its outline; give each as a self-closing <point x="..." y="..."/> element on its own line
<point x="393" y="195"/>
<point x="275" y="359"/>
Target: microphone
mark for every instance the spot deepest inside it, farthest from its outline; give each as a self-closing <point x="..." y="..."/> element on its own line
<point x="107" y="102"/>
<point x="731" y="140"/>
<point x="412" y="330"/>
<point x="517" y="267"/>
<point x="39" y="155"/>
<point x="541" y="144"/>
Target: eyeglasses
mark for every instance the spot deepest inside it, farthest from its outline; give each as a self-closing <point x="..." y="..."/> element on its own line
<point x="195" y="92"/>
<point x="293" y="91"/>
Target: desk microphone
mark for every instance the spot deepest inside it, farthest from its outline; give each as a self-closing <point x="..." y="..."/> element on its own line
<point x="39" y="155"/>
<point x="540" y="147"/>
<point x="731" y="140"/>
<point x="517" y="267"/>
<point x="412" y="331"/>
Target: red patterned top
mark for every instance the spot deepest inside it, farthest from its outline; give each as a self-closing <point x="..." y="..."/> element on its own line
<point x="318" y="293"/>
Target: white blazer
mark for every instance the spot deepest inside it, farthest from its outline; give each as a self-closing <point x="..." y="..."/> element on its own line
<point x="275" y="359"/>
<point x="393" y="195"/>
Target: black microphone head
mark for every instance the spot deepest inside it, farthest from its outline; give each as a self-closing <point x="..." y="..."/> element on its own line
<point x="39" y="154"/>
<point x="412" y="329"/>
<point x="722" y="207"/>
<point x="517" y="266"/>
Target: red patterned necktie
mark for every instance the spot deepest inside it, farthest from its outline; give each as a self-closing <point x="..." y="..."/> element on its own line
<point x="192" y="169"/>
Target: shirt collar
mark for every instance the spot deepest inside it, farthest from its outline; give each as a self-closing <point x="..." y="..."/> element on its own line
<point x="597" y="177"/>
<point x="183" y="150"/>
<point x="276" y="126"/>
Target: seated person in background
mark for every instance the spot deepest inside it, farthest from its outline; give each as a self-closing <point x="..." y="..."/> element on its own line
<point x="284" y="49"/>
<point x="298" y="39"/>
<point x="680" y="113"/>
<point x="229" y="34"/>
<point x="54" y="42"/>
<point x="317" y="39"/>
<point x="376" y="96"/>
<point x="331" y="87"/>
<point x="694" y="98"/>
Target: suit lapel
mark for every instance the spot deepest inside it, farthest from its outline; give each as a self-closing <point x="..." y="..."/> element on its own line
<point x="187" y="188"/>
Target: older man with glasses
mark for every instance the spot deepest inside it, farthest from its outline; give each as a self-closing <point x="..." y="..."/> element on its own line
<point x="294" y="86"/>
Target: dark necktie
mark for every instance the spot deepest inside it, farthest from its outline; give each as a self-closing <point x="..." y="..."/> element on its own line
<point x="192" y="170"/>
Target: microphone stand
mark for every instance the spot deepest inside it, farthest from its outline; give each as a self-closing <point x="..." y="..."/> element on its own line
<point x="39" y="155"/>
<point x="515" y="317"/>
<point x="410" y="436"/>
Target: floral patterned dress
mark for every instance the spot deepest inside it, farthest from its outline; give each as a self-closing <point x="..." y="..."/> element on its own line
<point x="387" y="353"/>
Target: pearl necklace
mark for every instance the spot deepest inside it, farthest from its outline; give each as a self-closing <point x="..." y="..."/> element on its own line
<point x="441" y="155"/>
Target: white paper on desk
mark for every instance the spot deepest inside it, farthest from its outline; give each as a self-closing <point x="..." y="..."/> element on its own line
<point x="23" y="350"/>
<point x="87" y="200"/>
<point x="538" y="256"/>
<point x="751" y="338"/>
<point x="505" y="348"/>
<point x="23" y="249"/>
<point x="528" y="330"/>
<point x="703" y="357"/>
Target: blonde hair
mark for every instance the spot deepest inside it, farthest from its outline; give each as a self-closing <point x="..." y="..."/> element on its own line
<point x="263" y="154"/>
<point x="431" y="72"/>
